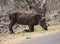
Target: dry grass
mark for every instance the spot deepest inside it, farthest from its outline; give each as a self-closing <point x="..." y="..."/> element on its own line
<point x="19" y="37"/>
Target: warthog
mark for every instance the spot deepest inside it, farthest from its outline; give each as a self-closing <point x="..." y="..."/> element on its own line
<point x="29" y="19"/>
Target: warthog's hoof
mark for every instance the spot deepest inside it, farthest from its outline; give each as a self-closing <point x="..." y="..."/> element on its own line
<point x="12" y="33"/>
<point x="46" y="29"/>
<point x="28" y="31"/>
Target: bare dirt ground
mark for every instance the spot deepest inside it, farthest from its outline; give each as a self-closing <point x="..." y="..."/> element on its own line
<point x="17" y="38"/>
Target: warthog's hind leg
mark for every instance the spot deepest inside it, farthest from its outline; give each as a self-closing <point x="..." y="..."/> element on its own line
<point x="10" y="26"/>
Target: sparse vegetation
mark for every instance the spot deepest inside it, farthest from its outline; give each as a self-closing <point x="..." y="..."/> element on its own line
<point x="12" y="6"/>
<point x="22" y="36"/>
<point x="51" y="28"/>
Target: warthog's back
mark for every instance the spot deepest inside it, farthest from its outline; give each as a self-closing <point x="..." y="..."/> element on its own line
<point x="26" y="18"/>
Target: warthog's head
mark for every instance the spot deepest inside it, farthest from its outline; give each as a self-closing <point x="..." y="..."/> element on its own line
<point x="43" y="19"/>
<point x="43" y="23"/>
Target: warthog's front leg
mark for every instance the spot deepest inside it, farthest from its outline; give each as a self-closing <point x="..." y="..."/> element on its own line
<point x="31" y="28"/>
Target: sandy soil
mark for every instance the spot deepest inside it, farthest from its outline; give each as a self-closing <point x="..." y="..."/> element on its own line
<point x="18" y="39"/>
